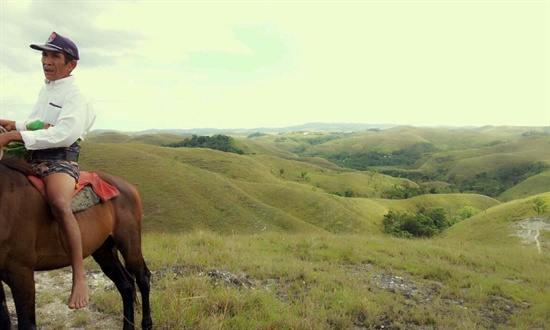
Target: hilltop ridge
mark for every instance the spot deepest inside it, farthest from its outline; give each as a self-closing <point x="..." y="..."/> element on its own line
<point x="306" y="127"/>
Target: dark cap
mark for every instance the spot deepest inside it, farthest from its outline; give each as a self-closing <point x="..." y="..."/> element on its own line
<point x="58" y="43"/>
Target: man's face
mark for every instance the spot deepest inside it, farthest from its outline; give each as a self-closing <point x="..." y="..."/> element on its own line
<point x="53" y="64"/>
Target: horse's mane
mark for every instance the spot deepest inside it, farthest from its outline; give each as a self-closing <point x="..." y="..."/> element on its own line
<point x="18" y="164"/>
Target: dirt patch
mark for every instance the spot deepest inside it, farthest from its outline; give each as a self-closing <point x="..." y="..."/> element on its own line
<point x="427" y="294"/>
<point x="407" y="288"/>
<point x="223" y="277"/>
<point x="498" y="309"/>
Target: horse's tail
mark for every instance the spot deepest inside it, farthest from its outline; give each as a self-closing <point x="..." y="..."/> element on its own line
<point x="132" y="279"/>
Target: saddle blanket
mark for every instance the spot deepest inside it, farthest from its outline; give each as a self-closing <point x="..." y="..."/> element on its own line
<point x="89" y="190"/>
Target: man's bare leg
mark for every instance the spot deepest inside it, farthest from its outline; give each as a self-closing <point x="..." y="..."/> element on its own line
<point x="59" y="191"/>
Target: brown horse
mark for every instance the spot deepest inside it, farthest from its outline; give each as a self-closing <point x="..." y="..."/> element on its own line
<point x="30" y="241"/>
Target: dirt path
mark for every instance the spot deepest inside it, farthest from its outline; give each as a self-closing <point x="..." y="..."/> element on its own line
<point x="529" y="229"/>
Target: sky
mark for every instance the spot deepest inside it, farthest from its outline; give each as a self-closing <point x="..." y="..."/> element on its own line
<point x="251" y="64"/>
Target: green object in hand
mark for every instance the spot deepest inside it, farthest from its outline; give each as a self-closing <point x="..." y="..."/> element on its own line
<point x="36" y="125"/>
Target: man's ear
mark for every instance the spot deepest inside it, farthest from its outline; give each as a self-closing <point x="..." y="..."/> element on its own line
<point x="72" y="64"/>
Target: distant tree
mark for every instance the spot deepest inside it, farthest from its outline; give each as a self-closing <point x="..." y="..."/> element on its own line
<point x="467" y="212"/>
<point x="437" y="218"/>
<point x="540" y="206"/>
<point x="403" y="192"/>
<point x="255" y="135"/>
<point x="217" y="142"/>
<point x="349" y="193"/>
<point x="393" y="223"/>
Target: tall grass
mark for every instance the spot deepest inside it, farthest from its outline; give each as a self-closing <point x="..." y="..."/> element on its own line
<point x="281" y="281"/>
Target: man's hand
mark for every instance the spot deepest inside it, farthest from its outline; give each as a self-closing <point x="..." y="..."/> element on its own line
<point x="9" y="125"/>
<point x="6" y="138"/>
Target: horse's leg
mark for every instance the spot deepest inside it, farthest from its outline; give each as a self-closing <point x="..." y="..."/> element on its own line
<point x="23" y="291"/>
<point x="133" y="259"/>
<point x="107" y="258"/>
<point x="5" y="321"/>
<point x="127" y="238"/>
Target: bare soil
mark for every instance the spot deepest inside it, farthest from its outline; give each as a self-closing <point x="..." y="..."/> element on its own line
<point x="532" y="231"/>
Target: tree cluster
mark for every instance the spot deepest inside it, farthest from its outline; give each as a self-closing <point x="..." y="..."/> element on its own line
<point x="216" y="142"/>
<point x="407" y="158"/>
<point x="493" y="183"/>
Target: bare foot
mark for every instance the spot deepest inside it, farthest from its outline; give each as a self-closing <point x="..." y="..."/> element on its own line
<point x="79" y="294"/>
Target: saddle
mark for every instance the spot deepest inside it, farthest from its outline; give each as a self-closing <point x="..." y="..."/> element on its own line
<point x="89" y="190"/>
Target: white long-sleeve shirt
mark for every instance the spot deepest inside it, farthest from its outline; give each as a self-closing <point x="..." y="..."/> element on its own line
<point x="61" y="104"/>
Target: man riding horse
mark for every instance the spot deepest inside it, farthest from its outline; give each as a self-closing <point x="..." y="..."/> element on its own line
<point x="64" y="117"/>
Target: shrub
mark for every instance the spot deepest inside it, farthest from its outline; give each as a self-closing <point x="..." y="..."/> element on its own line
<point x="539" y="206"/>
<point x="467" y="212"/>
<point x="426" y="223"/>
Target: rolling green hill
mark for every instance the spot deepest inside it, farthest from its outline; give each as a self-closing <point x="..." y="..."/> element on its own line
<point x="272" y="189"/>
<point x="487" y="160"/>
<point x="534" y="185"/>
<point x="502" y="225"/>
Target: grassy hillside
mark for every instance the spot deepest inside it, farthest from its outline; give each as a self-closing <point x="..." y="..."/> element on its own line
<point x="188" y="189"/>
<point x="502" y="223"/>
<point x="272" y="188"/>
<point x="534" y="185"/>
